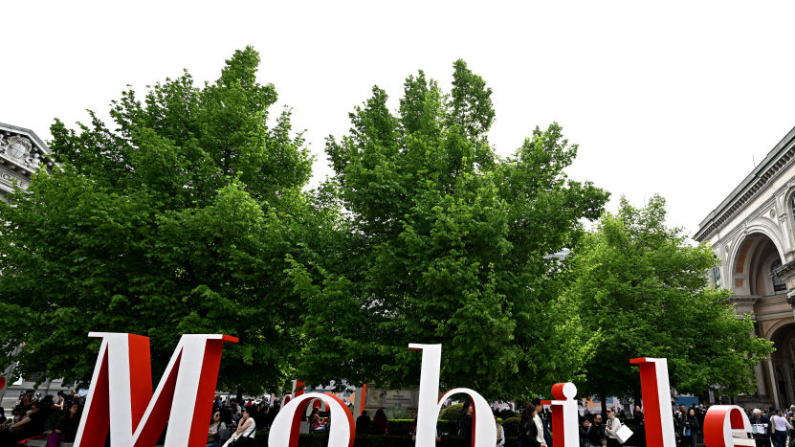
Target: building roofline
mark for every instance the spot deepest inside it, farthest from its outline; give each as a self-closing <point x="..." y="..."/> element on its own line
<point x="41" y="144"/>
<point x="768" y="168"/>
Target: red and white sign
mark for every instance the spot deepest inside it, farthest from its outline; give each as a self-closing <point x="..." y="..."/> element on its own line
<point x="121" y="402"/>
<point x="120" y="399"/>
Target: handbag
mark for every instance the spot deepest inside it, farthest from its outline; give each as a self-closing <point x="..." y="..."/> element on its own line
<point x="623" y="433"/>
<point x="223" y="435"/>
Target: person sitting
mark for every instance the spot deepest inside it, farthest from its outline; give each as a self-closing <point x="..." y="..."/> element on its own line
<point x="315" y="424"/>
<point x="28" y="398"/>
<point x="215" y="431"/>
<point x="363" y="423"/>
<point x="246" y="430"/>
<point x="31" y="425"/>
<point x="67" y="427"/>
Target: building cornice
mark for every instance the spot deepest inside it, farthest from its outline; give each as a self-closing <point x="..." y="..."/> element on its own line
<point x="778" y="158"/>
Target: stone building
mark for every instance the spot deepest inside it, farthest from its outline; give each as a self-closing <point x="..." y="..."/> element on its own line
<point x="752" y="232"/>
<point x="22" y="153"/>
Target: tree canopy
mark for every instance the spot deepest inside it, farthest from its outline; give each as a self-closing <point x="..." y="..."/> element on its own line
<point x="190" y="214"/>
<point x="645" y="290"/>
<point x="177" y="219"/>
<point x="443" y="241"/>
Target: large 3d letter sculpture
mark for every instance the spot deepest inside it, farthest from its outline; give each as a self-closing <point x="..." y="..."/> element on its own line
<point x="120" y="398"/>
<point x="286" y="426"/>
<point x="483" y="427"/>
<point x="564" y="415"/>
<point x="656" y="401"/>
<point x="719" y="422"/>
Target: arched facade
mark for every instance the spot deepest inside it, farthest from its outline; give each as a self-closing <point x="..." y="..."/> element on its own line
<point x="751" y="232"/>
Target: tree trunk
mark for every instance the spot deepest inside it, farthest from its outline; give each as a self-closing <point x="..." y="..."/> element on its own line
<point x="603" y="400"/>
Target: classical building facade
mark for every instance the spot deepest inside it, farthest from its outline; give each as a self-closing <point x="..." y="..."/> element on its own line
<point x="22" y="153"/>
<point x="752" y="232"/>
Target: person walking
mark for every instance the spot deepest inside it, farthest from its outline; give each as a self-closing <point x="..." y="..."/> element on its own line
<point x="780" y="425"/>
<point x="761" y="428"/>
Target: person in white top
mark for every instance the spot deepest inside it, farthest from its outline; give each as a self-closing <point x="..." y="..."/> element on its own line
<point x="780" y="425"/>
<point x="500" y="433"/>
<point x="540" y="427"/>
<point x="246" y="429"/>
<point x="611" y="428"/>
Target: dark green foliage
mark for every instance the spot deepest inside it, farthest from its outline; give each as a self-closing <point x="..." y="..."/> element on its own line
<point x="178" y="220"/>
<point x="400" y="427"/>
<point x="452" y="413"/>
<point x="512" y="426"/>
<point x="644" y="290"/>
<point x="444" y="242"/>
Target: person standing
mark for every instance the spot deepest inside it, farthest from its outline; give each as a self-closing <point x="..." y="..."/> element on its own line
<point x="611" y="429"/>
<point x="680" y="416"/>
<point x="532" y="432"/>
<point x="761" y="428"/>
<point x="780" y="425"/>
<point x="691" y="427"/>
<point x="363" y="423"/>
<point x="500" y="432"/>
<point x="380" y="423"/>
<point x="640" y="424"/>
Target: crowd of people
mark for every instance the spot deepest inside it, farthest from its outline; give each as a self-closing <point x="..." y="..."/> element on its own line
<point x="54" y="417"/>
<point x="772" y="427"/>
<point x="232" y="424"/>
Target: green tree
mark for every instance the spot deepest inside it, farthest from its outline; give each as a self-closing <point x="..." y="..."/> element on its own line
<point x="442" y="241"/>
<point x="177" y="221"/>
<point x="646" y="291"/>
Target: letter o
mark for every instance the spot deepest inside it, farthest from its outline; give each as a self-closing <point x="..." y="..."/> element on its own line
<point x="287" y="424"/>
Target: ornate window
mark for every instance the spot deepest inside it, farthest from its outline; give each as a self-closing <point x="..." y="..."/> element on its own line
<point x="778" y="284"/>
<point x="792" y="205"/>
<point x="716" y="276"/>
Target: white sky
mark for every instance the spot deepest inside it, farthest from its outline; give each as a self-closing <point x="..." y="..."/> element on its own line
<point x="675" y="98"/>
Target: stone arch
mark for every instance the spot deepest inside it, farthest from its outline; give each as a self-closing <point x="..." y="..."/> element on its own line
<point x="783" y="336"/>
<point x="750" y="254"/>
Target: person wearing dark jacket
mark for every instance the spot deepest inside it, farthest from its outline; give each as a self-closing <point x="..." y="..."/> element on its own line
<point x="761" y="428"/>
<point x="363" y="423"/>
<point x="691" y="427"/>
<point x="531" y="434"/>
<point x="596" y="436"/>
<point x="585" y="427"/>
<point x="640" y="430"/>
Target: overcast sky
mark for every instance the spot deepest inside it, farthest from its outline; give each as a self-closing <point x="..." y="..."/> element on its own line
<point x="676" y="98"/>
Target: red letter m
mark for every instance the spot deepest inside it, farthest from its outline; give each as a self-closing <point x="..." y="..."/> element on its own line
<point x="120" y="399"/>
